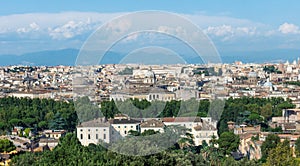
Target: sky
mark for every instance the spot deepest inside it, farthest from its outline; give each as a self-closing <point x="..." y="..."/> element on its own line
<point x="233" y="25"/>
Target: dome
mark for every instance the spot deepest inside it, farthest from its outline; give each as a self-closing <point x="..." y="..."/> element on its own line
<point x="268" y="84"/>
<point x="144" y="74"/>
<point x="183" y="76"/>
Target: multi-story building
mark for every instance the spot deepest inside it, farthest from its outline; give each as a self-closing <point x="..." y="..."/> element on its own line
<point x="122" y="124"/>
<point x="152" y="124"/>
<point x="94" y="131"/>
<point x="119" y="127"/>
<point x="202" y="130"/>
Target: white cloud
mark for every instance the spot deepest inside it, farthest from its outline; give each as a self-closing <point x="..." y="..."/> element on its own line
<point x="69" y="30"/>
<point x="54" y="28"/>
<point x="57" y="25"/>
<point x="31" y="27"/>
<point x="227" y="32"/>
<point x="204" y="21"/>
<point x="34" y="26"/>
<point x="287" y="28"/>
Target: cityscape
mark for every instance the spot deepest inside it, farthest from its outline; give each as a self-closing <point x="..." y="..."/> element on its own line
<point x="149" y="85"/>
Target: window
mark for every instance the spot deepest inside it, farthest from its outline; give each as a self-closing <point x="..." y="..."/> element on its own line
<point x="157" y="96"/>
<point x="131" y="126"/>
<point x="118" y="126"/>
<point x="81" y="136"/>
<point x="125" y="132"/>
<point x="125" y="126"/>
<point x="89" y="136"/>
<point x="81" y="130"/>
<point x="104" y="129"/>
<point x="96" y="136"/>
<point x="89" y="129"/>
<point x="104" y="136"/>
<point x="96" y="129"/>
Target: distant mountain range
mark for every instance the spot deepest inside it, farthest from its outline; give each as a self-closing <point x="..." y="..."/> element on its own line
<point x="68" y="57"/>
<point x="47" y="58"/>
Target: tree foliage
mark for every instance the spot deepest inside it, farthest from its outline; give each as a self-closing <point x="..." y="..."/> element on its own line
<point x="297" y="147"/>
<point x="228" y="142"/>
<point x="6" y="145"/>
<point x="270" y="143"/>
<point x="281" y="155"/>
<point x="35" y="113"/>
<point x="252" y="111"/>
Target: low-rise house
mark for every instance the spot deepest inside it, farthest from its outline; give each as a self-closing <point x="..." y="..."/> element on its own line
<point x="152" y="124"/>
<point x="50" y="142"/>
<point x="243" y="129"/>
<point x="56" y="134"/>
<point x="17" y="130"/>
<point x="202" y="130"/>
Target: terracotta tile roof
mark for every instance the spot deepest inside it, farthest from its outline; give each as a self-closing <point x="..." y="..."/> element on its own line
<point x="152" y="123"/>
<point x="182" y="119"/>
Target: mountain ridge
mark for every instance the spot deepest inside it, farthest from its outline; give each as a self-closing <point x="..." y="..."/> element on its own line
<point x="68" y="57"/>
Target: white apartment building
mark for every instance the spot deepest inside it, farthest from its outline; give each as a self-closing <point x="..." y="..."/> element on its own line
<point x="121" y="125"/>
<point x="202" y="128"/>
<point x="94" y="131"/>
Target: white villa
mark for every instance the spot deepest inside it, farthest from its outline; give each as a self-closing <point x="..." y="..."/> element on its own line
<point x="119" y="127"/>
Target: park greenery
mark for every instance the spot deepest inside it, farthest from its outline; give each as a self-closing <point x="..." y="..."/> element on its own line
<point x="49" y="114"/>
<point x="71" y="152"/>
<point x="37" y="114"/>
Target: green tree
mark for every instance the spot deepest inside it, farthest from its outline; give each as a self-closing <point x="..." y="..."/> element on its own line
<point x="297" y="147"/>
<point x="254" y="118"/>
<point x="6" y="145"/>
<point x="266" y="111"/>
<point x="228" y="142"/>
<point x="186" y="141"/>
<point x="27" y="131"/>
<point x="282" y="155"/>
<point x="149" y="132"/>
<point x="270" y="143"/>
<point x="43" y="125"/>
